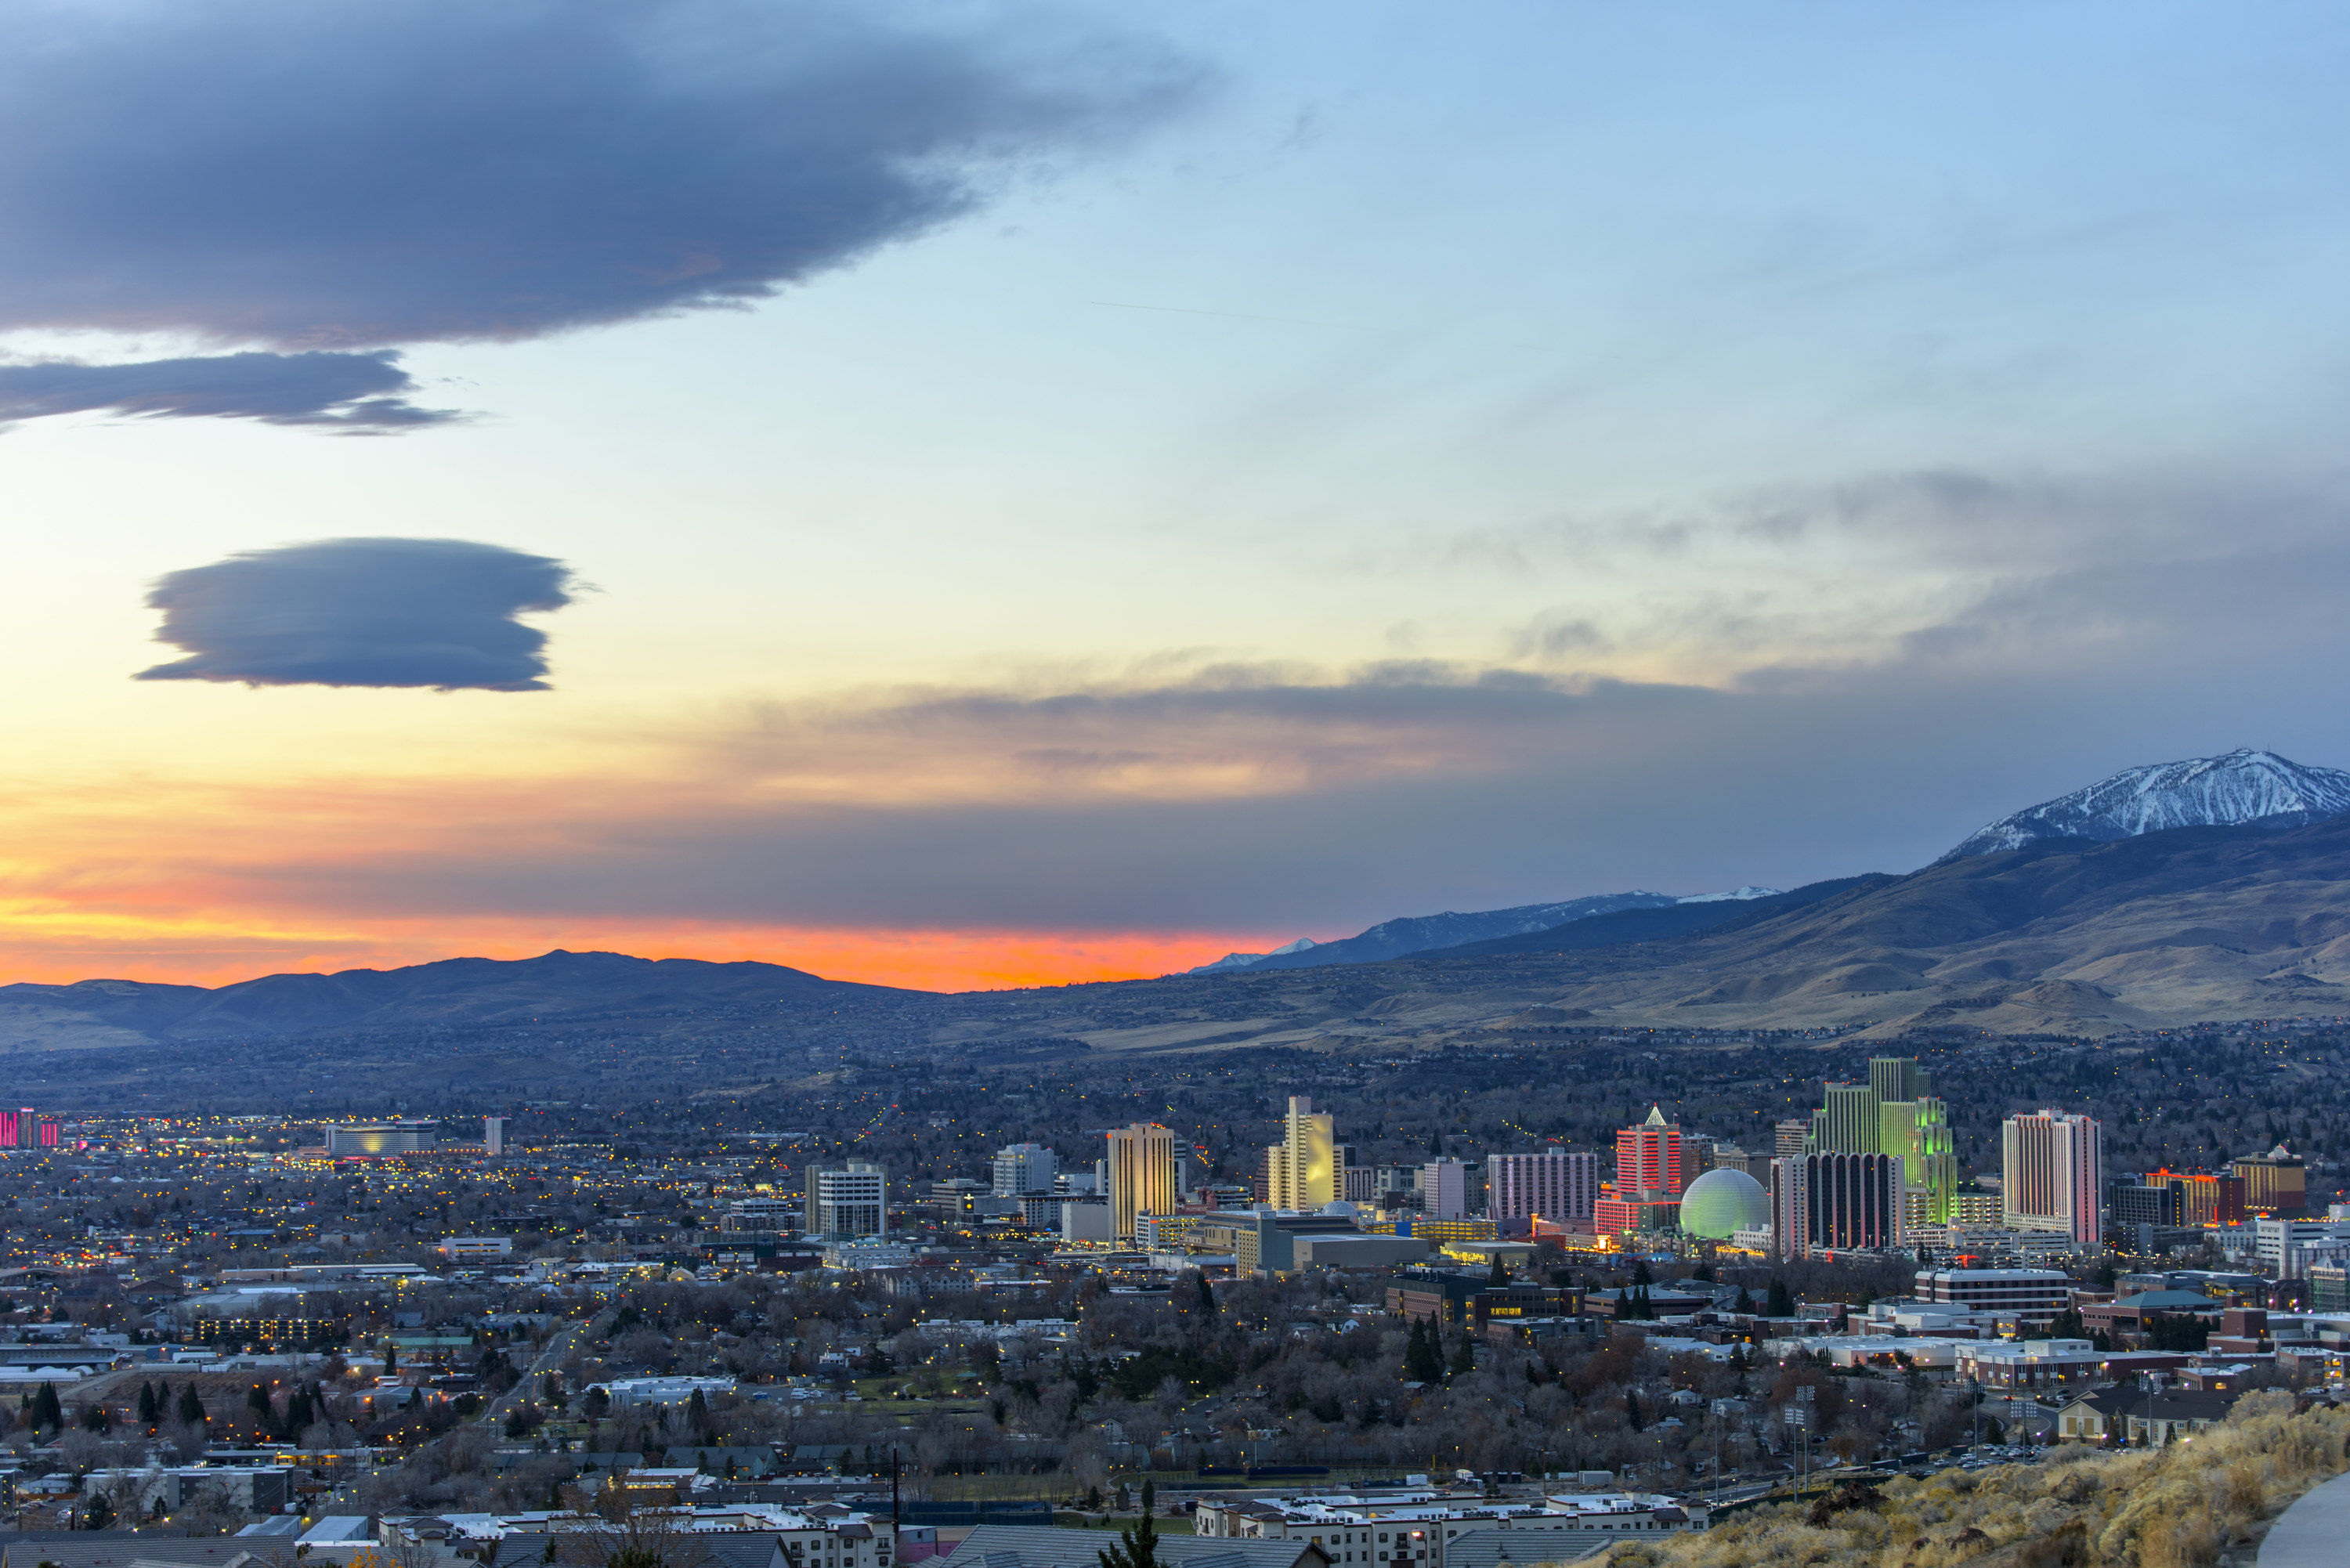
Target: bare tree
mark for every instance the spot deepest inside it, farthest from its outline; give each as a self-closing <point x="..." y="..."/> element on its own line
<point x="612" y="1530"/>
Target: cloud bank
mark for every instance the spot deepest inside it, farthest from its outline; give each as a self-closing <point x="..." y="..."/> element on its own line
<point x="324" y="174"/>
<point x="358" y="392"/>
<point x="362" y="612"/>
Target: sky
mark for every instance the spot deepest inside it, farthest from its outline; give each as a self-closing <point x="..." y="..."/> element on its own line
<point x="970" y="495"/>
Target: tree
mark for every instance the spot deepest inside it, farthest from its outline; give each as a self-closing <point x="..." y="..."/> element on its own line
<point x="1780" y="1303"/>
<point x="1641" y="1274"/>
<point x="1206" y="1298"/>
<point x="1745" y="1301"/>
<point x="1632" y="1410"/>
<point x="1464" y="1355"/>
<point x="1500" y="1275"/>
<point x="147" y="1405"/>
<point x="191" y="1407"/>
<point x="45" y="1412"/>
<point x="391" y="1358"/>
<point x="1422" y="1361"/>
<point x="697" y="1413"/>
<point x="100" y="1513"/>
<point x="1137" y="1545"/>
<point x="256" y="1399"/>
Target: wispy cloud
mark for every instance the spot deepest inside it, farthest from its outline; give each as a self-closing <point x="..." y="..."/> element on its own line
<point x="358" y="393"/>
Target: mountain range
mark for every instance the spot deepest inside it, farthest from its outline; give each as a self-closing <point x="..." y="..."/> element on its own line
<point x="1428" y="933"/>
<point x="454" y="993"/>
<point x="2243" y="788"/>
<point x="2212" y="889"/>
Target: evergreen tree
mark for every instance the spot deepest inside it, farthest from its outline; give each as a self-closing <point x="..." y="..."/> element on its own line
<point x="1780" y="1303"/>
<point x="256" y="1399"/>
<point x="1745" y="1301"/>
<point x="1464" y="1355"/>
<point x="97" y="1418"/>
<point x="1206" y="1298"/>
<point x="697" y="1413"/>
<point x="146" y="1405"/>
<point x="1137" y="1545"/>
<point x="48" y="1414"/>
<point x="1632" y="1410"/>
<point x="1423" y="1361"/>
<point x="1641" y="1274"/>
<point x="391" y="1358"/>
<point x="1500" y="1275"/>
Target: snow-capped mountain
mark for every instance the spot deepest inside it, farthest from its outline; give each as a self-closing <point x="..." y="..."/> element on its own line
<point x="1736" y="895"/>
<point x="1241" y="960"/>
<point x="2244" y="786"/>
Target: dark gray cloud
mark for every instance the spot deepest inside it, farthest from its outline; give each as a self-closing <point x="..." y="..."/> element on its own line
<point x="332" y="174"/>
<point x="362" y="612"/>
<point x="362" y="393"/>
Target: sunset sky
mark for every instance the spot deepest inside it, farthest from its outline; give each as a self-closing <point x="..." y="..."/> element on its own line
<point x="1017" y="495"/>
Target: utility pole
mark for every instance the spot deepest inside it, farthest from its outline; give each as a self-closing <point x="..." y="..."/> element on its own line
<point x="893" y="1492"/>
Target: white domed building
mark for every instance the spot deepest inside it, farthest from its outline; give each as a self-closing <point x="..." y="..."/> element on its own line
<point x="1720" y="1203"/>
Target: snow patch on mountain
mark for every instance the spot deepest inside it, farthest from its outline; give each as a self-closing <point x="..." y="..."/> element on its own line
<point x="1739" y="895"/>
<point x="1241" y="960"/>
<point x="2231" y="791"/>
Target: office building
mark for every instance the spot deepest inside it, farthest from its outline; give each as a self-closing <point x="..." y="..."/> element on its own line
<point x="1996" y="1289"/>
<point x="2329" y="1287"/>
<point x="1918" y="1133"/>
<point x="1302" y="1170"/>
<point x="1553" y="1184"/>
<point x="26" y="1128"/>
<point x="1444" y="1189"/>
<point x="847" y="1203"/>
<point x="1852" y="1201"/>
<point x="1141" y="1172"/>
<point x="1790" y="1213"/>
<point x="1025" y="1167"/>
<point x="381" y="1140"/>
<point x="1894" y="1113"/>
<point x="493" y="1135"/>
<point x="1846" y="1119"/>
<point x="2130" y="1202"/>
<point x="1788" y="1137"/>
<point x="2052" y="1175"/>
<point x="2287" y="1249"/>
<point x="2274" y="1183"/>
<point x="1696" y="1157"/>
<point x="2202" y="1198"/>
<point x="1649" y="1159"/>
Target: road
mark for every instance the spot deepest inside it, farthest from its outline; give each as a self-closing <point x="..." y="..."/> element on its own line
<point x="549" y="1360"/>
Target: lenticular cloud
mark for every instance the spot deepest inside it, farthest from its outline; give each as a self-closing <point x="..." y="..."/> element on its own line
<point x="325" y="174"/>
<point x="362" y="612"/>
<point x="358" y="393"/>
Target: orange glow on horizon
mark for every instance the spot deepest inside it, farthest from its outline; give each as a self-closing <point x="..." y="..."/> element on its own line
<point x="948" y="960"/>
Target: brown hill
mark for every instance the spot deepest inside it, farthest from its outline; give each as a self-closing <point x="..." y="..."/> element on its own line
<point x="2167" y="928"/>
